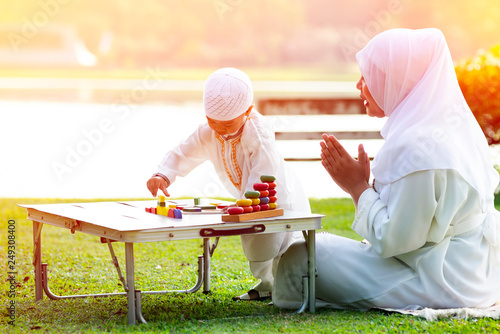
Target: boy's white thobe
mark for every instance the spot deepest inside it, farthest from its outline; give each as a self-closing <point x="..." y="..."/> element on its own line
<point x="240" y="160"/>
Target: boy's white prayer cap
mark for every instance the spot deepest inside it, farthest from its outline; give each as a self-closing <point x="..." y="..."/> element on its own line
<point x="228" y="93"/>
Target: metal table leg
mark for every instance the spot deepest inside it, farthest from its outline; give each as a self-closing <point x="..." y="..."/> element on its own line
<point x="311" y="253"/>
<point x="37" y="259"/>
<point x="206" y="265"/>
<point x="129" y="263"/>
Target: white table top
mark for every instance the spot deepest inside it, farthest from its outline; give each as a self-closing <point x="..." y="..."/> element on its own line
<point x="130" y="218"/>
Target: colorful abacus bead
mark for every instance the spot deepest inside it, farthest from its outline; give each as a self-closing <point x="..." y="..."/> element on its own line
<point x="273" y="199"/>
<point x="264" y="200"/>
<point x="272" y="192"/>
<point x="272" y="206"/>
<point x="235" y="210"/>
<point x="255" y="201"/>
<point x="252" y="194"/>
<point x="267" y="178"/>
<point x="244" y="202"/>
<point x="272" y="185"/>
<point x="264" y="207"/>
<point x="264" y="193"/>
<point x="260" y="186"/>
<point x="247" y="209"/>
<point x="256" y="208"/>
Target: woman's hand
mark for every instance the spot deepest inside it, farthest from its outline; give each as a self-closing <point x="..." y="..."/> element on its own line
<point x="349" y="174"/>
<point x="156" y="183"/>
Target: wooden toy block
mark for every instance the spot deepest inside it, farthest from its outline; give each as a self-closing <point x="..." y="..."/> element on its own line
<point x="191" y="209"/>
<point x="206" y="207"/>
<point x="254" y="215"/>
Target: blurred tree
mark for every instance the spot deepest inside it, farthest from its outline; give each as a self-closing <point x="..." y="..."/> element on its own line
<point x="479" y="79"/>
<point x="245" y="33"/>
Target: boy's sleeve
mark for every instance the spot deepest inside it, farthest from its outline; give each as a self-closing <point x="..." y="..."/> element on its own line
<point x="183" y="158"/>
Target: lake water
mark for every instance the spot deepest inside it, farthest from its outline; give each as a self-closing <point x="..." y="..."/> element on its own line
<point x="73" y="141"/>
<point x="89" y="150"/>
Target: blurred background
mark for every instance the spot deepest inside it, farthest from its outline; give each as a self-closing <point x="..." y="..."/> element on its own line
<point x="93" y="93"/>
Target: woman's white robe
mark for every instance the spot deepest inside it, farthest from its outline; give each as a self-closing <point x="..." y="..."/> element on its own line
<point x="430" y="245"/>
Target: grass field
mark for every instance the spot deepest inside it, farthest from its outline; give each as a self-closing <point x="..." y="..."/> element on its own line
<point x="80" y="264"/>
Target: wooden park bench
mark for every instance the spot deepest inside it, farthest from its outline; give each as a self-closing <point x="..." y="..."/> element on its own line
<point x="323" y="113"/>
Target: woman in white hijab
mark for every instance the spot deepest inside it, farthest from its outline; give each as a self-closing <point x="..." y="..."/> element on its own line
<point x="429" y="215"/>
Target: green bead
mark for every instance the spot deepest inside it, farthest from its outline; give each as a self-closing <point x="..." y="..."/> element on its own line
<point x="267" y="178"/>
<point x="252" y="194"/>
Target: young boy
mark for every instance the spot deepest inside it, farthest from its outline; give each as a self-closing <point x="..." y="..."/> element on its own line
<point x="240" y="143"/>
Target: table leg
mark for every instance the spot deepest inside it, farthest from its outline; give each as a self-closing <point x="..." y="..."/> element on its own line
<point x="206" y="265"/>
<point x="37" y="259"/>
<point x="129" y="263"/>
<point x="311" y="251"/>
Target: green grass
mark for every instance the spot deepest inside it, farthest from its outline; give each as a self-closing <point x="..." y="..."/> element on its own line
<point x="79" y="264"/>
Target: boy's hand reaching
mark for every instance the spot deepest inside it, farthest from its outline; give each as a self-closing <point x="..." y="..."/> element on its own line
<point x="156" y="183"/>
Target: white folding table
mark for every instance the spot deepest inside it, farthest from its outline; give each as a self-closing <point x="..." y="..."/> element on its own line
<point x="128" y="222"/>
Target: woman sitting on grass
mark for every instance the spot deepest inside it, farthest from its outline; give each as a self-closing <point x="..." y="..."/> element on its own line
<point x="429" y="215"/>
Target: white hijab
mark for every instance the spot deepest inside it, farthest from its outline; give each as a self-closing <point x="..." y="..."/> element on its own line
<point x="411" y="76"/>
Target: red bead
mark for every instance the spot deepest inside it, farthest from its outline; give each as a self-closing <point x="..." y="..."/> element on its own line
<point x="264" y="193"/>
<point x="272" y="185"/>
<point x="261" y="186"/>
<point x="264" y="207"/>
<point x="235" y="210"/>
<point x="247" y="209"/>
<point x="272" y="192"/>
<point x="256" y="208"/>
<point x="273" y="199"/>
